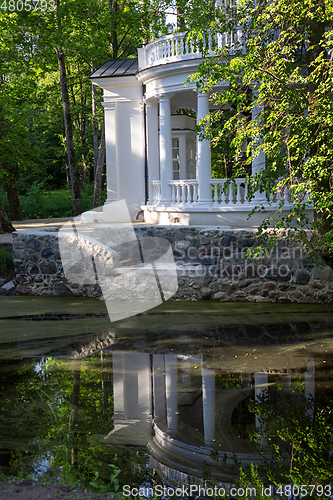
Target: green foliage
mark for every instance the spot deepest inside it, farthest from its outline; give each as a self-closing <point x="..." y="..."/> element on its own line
<point x="113" y="487"/>
<point x="6" y="261"/>
<point x="299" y="437"/>
<point x="39" y="203"/>
<point x="89" y="32"/>
<point x="53" y="419"/>
<point x="280" y="86"/>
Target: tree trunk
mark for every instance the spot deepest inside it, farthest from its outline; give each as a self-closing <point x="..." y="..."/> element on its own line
<point x="5" y="225"/>
<point x="180" y="16"/>
<point x="12" y="193"/>
<point x="99" y="170"/>
<point x="76" y="194"/>
<point x="75" y="406"/>
<point x="114" y="11"/>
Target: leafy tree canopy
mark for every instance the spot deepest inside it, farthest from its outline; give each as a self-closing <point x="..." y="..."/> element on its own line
<point x="275" y="58"/>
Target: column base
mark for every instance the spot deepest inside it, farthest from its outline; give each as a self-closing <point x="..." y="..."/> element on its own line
<point x="205" y="201"/>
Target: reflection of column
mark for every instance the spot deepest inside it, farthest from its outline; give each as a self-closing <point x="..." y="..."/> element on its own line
<point x="131" y="393"/>
<point x="171" y="391"/>
<point x="111" y="152"/>
<point x="186" y="373"/>
<point x="208" y="402"/>
<point x="142" y="364"/>
<point x="159" y="386"/>
<point x="245" y="379"/>
<point x="165" y="148"/>
<point x="152" y="140"/>
<point x="258" y="163"/>
<point x="118" y="381"/>
<point x="309" y="382"/>
<point x="261" y="387"/>
<point x="203" y="154"/>
<point x="286" y="383"/>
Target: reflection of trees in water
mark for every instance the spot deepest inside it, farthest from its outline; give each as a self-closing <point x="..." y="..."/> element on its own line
<point x="297" y="431"/>
<point x="61" y="432"/>
<point x="76" y="414"/>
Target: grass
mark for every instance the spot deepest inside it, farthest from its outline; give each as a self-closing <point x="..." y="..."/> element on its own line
<point x="39" y="203"/>
<point x="6" y="261"/>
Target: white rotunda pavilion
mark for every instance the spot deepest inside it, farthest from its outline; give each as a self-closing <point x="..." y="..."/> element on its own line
<point x="154" y="159"/>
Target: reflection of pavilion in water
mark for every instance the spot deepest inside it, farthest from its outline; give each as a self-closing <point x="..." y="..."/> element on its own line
<point x="174" y="406"/>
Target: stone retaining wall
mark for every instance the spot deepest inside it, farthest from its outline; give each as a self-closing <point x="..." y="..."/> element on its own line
<point x="211" y="265"/>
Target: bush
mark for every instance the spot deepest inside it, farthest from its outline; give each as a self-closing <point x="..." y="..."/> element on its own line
<point x="6" y="261"/>
<point x="41" y="204"/>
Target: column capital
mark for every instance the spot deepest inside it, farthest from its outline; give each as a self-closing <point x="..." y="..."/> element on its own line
<point x="152" y="102"/>
<point x="166" y="96"/>
<point x="202" y="94"/>
<point x="109" y="104"/>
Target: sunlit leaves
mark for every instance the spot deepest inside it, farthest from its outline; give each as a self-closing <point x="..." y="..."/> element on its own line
<point x="285" y="55"/>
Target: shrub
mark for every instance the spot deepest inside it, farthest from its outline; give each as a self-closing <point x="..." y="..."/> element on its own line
<point x="38" y="203"/>
<point x="6" y="261"/>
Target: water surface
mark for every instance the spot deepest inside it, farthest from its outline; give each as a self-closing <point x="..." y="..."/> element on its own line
<point x="171" y="397"/>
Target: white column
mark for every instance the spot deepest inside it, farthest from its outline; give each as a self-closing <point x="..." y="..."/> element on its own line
<point x="203" y="154"/>
<point x="208" y="403"/>
<point x="171" y="379"/>
<point x="152" y="140"/>
<point x="111" y="150"/>
<point x="165" y="148"/>
<point x="159" y="386"/>
<point x="130" y="151"/>
<point x="258" y="163"/>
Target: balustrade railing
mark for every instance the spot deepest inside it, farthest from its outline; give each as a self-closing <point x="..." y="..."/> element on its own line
<point x="179" y="46"/>
<point x="225" y="192"/>
<point x="184" y="192"/>
<point x="155" y="192"/>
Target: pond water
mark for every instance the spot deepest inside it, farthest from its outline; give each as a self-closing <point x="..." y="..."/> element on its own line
<point x="187" y="394"/>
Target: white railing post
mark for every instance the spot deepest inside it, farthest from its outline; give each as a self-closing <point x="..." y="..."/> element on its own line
<point x="176" y="47"/>
<point x="231" y="192"/>
<point x="188" y="194"/>
<point x="182" y="46"/>
<point x="178" y="193"/>
<point x="173" y="194"/>
<point x="216" y="194"/>
<point x="210" y="49"/>
<point x="184" y="198"/>
<point x="238" y="195"/>
<point x="223" y="193"/>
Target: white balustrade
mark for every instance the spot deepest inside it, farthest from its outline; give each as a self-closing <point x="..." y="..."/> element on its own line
<point x="155" y="194"/>
<point x="184" y="192"/>
<point x="225" y="192"/>
<point x="178" y="46"/>
<point x="229" y="192"/>
<point x="280" y="194"/>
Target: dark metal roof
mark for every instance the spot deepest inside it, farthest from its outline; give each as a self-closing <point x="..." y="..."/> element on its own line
<point x="120" y="67"/>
